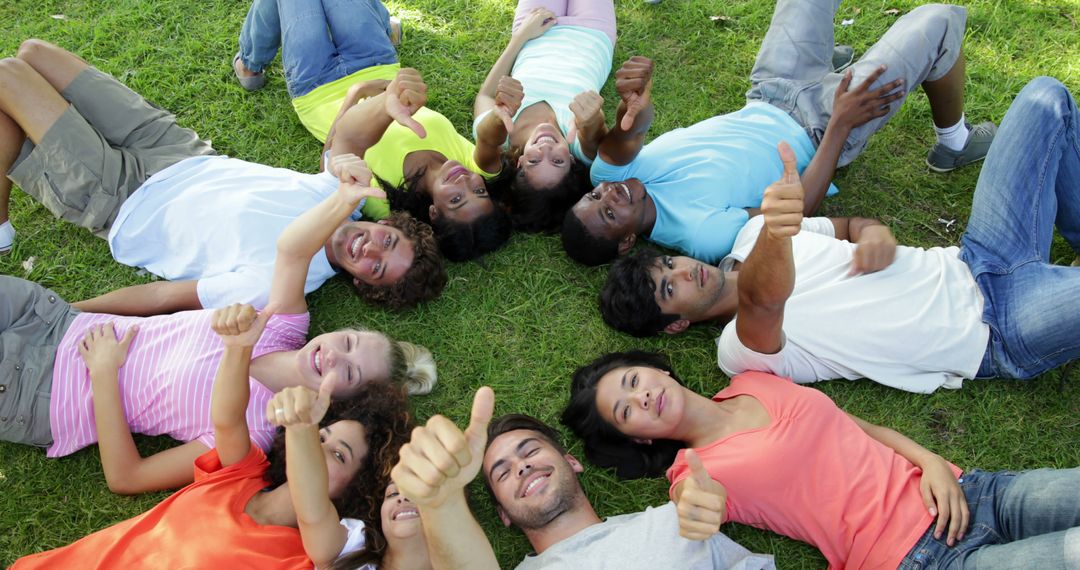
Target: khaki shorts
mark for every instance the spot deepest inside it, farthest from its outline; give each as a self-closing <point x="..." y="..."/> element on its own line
<point x="101" y="149"/>
<point x="33" y="321"/>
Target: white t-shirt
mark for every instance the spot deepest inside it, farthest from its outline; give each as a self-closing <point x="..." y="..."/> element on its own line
<point x="217" y="219"/>
<point x="355" y="539"/>
<point x="916" y="325"/>
<point x="648" y="539"/>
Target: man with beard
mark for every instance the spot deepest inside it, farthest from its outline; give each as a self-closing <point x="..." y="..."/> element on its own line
<point x="533" y="481"/>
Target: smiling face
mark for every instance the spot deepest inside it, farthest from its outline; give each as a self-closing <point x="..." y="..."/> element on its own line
<point x="459" y="194"/>
<point x="687" y="287"/>
<point x="532" y="482"/>
<point x="613" y="210"/>
<point x="400" y="518"/>
<point x="545" y="158"/>
<point x="640" y="402"/>
<point x="345" y="446"/>
<point x="357" y="356"/>
<point x="375" y="253"/>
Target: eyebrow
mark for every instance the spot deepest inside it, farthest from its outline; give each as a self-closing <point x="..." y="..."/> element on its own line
<point x="663" y="288"/>
<point x="615" y="408"/>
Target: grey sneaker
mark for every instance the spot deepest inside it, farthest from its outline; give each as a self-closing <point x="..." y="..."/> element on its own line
<point x="250" y="82"/>
<point x="945" y="159"/>
<point x="7" y="237"/>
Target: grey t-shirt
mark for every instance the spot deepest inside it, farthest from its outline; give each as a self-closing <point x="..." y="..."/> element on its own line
<point x="648" y="539"/>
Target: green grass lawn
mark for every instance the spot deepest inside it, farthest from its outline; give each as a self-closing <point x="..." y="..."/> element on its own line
<point x="525" y="318"/>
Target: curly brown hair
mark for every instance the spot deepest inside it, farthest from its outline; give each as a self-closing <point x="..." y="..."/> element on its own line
<point x="383" y="410"/>
<point x="425" y="278"/>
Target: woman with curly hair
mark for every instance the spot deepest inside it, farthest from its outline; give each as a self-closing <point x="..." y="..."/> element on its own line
<point x="54" y="402"/>
<point x="783" y="457"/>
<point x="228" y="516"/>
<point x="395" y="539"/>
<point x="425" y="166"/>
<point x="542" y="90"/>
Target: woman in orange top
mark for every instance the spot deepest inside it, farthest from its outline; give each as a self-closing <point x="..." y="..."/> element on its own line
<point x="776" y="455"/>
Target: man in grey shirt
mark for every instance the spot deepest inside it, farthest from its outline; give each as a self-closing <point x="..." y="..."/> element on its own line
<point x="535" y="485"/>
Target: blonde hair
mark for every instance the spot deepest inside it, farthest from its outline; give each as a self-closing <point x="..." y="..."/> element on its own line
<point x="412" y="366"/>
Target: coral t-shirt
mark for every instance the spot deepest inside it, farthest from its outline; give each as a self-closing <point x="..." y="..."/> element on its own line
<point x="814" y="475"/>
<point x="202" y="525"/>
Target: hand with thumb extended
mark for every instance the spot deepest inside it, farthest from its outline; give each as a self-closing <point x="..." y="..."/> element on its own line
<point x="301" y="406"/>
<point x="633" y="82"/>
<point x="240" y="325"/>
<point x="702" y="504"/>
<point x="783" y="204"/>
<point x="441" y="459"/>
<point x="404" y="97"/>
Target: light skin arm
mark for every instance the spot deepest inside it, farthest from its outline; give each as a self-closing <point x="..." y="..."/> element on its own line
<point x="239" y="327"/>
<point x="435" y="466"/>
<point x="851" y="109"/>
<point x="126" y="471"/>
<point x="623" y="142"/>
<point x="307" y="234"/>
<point x="941" y="493"/>
<point x="157" y="298"/>
<point x="305" y="468"/>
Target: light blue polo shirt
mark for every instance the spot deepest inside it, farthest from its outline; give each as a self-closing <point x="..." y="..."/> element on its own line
<point x="702" y="177"/>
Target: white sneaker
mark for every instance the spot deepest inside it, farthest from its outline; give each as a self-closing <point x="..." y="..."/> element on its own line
<point x="7" y="237"/>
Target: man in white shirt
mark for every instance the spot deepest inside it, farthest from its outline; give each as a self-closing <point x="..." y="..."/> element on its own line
<point x="816" y="298"/>
<point x="97" y="154"/>
<point x="534" y="483"/>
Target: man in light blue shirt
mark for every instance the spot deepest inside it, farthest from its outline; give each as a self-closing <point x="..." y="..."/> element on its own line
<point x="692" y="189"/>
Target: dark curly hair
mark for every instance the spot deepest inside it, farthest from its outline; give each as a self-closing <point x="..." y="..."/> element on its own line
<point x="383" y="410"/>
<point x="541" y="209"/>
<point x="457" y="241"/>
<point x="425" y="278"/>
<point x="628" y="298"/>
<point x="604" y="445"/>
<point x="582" y="246"/>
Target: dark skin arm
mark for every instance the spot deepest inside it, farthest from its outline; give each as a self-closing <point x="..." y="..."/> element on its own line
<point x="362" y="90"/>
<point x="624" y="141"/>
<point x="362" y="126"/>
<point x="851" y="109"/>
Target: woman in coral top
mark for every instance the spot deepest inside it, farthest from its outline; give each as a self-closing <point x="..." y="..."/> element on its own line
<point x="230" y="517"/>
<point x="779" y="456"/>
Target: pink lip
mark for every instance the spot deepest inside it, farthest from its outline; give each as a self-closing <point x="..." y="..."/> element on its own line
<point x="455" y="173"/>
<point x="704" y="277"/>
<point x="660" y="401"/>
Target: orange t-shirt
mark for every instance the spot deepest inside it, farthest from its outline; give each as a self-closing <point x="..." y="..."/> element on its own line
<point x="814" y="475"/>
<point x="202" y="525"/>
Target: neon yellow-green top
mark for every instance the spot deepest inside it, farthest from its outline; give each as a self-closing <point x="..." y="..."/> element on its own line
<point x="386" y="159"/>
<point x="318" y="108"/>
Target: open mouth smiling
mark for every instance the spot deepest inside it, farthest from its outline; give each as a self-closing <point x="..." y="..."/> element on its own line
<point x="534" y="484"/>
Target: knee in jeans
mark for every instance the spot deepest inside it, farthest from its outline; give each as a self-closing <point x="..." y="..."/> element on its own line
<point x="938" y="20"/>
<point x="1044" y="94"/>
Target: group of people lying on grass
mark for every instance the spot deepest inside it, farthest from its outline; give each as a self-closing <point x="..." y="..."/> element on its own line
<point x="217" y="356"/>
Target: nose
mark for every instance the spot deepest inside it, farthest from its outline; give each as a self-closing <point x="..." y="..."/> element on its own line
<point x="644" y="399"/>
<point x="368" y="249"/>
<point x="331" y="357"/>
<point x="685" y="272"/>
<point x="525" y="469"/>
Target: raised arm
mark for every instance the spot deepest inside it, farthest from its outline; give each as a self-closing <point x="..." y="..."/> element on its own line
<point x="624" y="141"/>
<point x="126" y="471"/>
<point x="767" y="277"/>
<point x="941" y="492"/>
<point x="850" y="110"/>
<point x="435" y="466"/>
<point x="299" y="410"/>
<point x="538" y="22"/>
<point x="307" y="234"/>
<point x="362" y="90"/>
<point x="239" y="327"/>
<point x="157" y="298"/>
<point x="361" y="126"/>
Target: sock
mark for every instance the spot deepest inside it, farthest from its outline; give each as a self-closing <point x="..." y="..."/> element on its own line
<point x="954" y="137"/>
<point x="7" y="235"/>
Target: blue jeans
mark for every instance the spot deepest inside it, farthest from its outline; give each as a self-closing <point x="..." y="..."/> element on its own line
<point x="320" y="40"/>
<point x="1029" y="184"/>
<point x="1018" y="520"/>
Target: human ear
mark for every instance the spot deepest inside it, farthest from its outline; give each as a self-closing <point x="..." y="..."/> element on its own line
<point x="627" y="242"/>
<point x="574" y="463"/>
<point x="502" y="516"/>
<point x="433" y="212"/>
<point x="677" y="327"/>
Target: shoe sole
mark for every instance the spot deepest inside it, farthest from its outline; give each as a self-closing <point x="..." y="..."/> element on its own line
<point x="940" y="170"/>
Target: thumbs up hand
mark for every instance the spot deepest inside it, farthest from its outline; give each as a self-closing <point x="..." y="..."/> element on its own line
<point x="782" y="205"/>
<point x="301" y="406"/>
<point x="702" y="504"/>
<point x="440" y="459"/>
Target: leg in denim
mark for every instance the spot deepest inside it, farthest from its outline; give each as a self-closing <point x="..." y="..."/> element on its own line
<point x="260" y="36"/>
<point x="1029" y="184"/>
<point x="360" y="31"/>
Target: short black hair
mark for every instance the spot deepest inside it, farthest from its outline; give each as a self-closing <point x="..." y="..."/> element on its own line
<point x="628" y="298"/>
<point x="604" y="445"/>
<point x="539" y="210"/>
<point x="582" y="246"/>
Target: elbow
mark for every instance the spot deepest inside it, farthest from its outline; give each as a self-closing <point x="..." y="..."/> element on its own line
<point x="128" y="484"/>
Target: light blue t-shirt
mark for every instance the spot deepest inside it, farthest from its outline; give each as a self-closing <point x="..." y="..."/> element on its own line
<point x="217" y="219"/>
<point x="556" y="67"/>
<point x="702" y="177"/>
